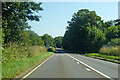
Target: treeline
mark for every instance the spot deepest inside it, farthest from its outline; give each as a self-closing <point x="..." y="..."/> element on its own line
<point x="20" y="45"/>
<point x="86" y="32"/>
<point x="50" y="41"/>
<point x="18" y="41"/>
<point x="14" y="22"/>
<point x="15" y="28"/>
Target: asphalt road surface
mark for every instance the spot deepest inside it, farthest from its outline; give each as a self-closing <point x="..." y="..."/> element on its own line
<point x="61" y="65"/>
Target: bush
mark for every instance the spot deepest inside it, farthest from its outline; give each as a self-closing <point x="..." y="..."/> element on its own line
<point x="15" y="52"/>
<point x="110" y="50"/>
<point x="51" y="49"/>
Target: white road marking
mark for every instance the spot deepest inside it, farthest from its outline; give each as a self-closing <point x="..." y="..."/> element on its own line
<point x="36" y="68"/>
<point x="98" y="60"/>
<point x="78" y="63"/>
<point x="88" y="69"/>
<point x="91" y="67"/>
<point x="59" y="54"/>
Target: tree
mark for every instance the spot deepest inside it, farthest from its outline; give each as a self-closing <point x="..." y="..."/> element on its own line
<point x="30" y="38"/>
<point x="117" y="22"/>
<point x="35" y="39"/>
<point x="48" y="40"/>
<point x="108" y="23"/>
<point x="58" y="41"/>
<point x="96" y="38"/>
<point x="111" y="32"/>
<point x="84" y="30"/>
<point x="114" y="42"/>
<point x="15" y="16"/>
<point x="0" y="39"/>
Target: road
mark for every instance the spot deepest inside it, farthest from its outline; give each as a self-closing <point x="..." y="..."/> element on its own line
<point x="61" y="65"/>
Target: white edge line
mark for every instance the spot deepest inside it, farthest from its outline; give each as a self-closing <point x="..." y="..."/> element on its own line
<point x="91" y="67"/>
<point x="36" y="67"/>
<point x="99" y="60"/>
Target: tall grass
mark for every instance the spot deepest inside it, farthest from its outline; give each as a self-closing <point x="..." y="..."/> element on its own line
<point x="15" y="52"/>
<point x="16" y="59"/>
<point x="13" y="68"/>
<point x="114" y="50"/>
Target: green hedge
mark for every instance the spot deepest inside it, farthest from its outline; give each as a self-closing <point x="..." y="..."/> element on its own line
<point x="15" y="52"/>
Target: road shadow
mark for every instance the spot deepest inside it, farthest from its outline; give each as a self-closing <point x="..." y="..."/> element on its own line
<point x="59" y="50"/>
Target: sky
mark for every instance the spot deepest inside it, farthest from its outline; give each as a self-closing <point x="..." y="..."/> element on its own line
<point x="55" y="15"/>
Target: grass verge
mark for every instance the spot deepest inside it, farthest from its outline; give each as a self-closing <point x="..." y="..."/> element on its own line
<point x="11" y="69"/>
<point x="115" y="59"/>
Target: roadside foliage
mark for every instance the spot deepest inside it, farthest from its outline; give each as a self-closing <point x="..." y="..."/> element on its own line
<point x="48" y="40"/>
<point x="58" y="41"/>
<point x="87" y="33"/>
<point x="20" y="45"/>
<point x="84" y="33"/>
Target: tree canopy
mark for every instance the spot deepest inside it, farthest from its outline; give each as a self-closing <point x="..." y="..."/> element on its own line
<point x="48" y="40"/>
<point x="58" y="41"/>
<point x="15" y="16"/>
<point x="30" y="38"/>
<point x="117" y="22"/>
<point x="84" y="32"/>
